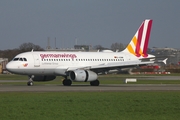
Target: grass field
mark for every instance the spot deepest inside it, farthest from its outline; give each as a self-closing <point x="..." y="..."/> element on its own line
<point x="160" y="105"/>
<point x="90" y="105"/>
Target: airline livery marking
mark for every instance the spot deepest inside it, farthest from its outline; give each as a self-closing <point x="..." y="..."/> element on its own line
<point x="25" y="65"/>
<point x="138" y="45"/>
<point x="58" y="56"/>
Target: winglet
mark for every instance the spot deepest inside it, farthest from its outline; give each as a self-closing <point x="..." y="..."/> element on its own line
<point x="165" y="61"/>
<point x="162" y="61"/>
<point x="139" y="43"/>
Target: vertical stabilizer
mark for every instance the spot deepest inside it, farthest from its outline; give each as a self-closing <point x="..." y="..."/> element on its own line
<point x="139" y="43"/>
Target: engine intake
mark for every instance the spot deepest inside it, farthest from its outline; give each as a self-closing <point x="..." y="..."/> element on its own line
<point x="82" y="75"/>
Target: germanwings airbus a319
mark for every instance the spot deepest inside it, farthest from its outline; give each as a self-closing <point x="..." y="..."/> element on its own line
<point x="83" y="66"/>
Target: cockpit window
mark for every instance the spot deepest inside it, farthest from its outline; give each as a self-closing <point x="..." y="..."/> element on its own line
<point x="24" y="59"/>
<point x="19" y="59"/>
<point x="15" y="59"/>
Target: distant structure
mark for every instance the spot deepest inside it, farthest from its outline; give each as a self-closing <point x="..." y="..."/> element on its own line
<point x="48" y="44"/>
<point x="76" y="47"/>
<point x="83" y="47"/>
<point x="3" y="62"/>
<point x="172" y="54"/>
<point x="80" y="48"/>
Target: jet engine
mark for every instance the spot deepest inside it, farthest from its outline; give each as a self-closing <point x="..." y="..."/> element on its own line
<point x="43" y="78"/>
<point x="82" y="75"/>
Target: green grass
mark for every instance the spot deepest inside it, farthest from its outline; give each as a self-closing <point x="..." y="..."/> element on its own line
<point x="104" y="79"/>
<point x="90" y="105"/>
<point x="13" y="77"/>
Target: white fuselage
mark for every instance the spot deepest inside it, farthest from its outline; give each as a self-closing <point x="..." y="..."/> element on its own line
<point x="57" y="63"/>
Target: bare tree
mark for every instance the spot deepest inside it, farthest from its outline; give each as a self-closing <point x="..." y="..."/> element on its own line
<point x="117" y="46"/>
<point x="10" y="53"/>
<point x="29" y="46"/>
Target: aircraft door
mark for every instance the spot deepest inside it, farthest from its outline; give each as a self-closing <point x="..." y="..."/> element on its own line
<point x="36" y="60"/>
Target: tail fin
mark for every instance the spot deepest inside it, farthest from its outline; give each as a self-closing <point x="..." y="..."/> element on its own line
<point x="139" y="43"/>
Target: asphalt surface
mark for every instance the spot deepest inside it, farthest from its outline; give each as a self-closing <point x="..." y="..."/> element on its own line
<point x="73" y="88"/>
<point x="102" y="87"/>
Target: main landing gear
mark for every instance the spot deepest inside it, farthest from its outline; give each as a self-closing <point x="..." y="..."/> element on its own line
<point x="95" y="83"/>
<point x="30" y="81"/>
<point x="68" y="82"/>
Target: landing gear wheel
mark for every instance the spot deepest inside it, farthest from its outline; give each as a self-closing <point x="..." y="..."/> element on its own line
<point x="30" y="83"/>
<point x="67" y="82"/>
<point x="95" y="83"/>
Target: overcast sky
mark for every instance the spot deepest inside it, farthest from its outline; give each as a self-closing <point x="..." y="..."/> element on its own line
<point x="91" y="22"/>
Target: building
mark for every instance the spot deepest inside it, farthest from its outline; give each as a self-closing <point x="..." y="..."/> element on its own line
<point x="172" y="54"/>
<point x="3" y="62"/>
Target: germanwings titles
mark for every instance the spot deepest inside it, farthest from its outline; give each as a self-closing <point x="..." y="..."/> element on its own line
<point x="83" y="66"/>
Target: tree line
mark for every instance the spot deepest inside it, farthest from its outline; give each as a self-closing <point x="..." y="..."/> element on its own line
<point x="25" y="47"/>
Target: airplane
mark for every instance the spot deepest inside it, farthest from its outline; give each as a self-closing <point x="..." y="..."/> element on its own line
<point x="83" y="66"/>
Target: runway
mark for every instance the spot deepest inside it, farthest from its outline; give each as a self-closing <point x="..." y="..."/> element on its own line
<point x="84" y="88"/>
<point x="88" y="88"/>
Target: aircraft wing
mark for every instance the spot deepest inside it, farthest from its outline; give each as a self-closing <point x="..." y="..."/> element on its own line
<point x="111" y="65"/>
<point x="121" y="64"/>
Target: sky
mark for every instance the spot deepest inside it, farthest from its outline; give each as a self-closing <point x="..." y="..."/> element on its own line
<point x="90" y="22"/>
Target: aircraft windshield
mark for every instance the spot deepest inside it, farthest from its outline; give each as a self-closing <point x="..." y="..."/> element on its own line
<point x="19" y="59"/>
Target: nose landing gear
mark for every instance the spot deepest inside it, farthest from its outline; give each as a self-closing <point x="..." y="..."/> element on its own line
<point x="30" y="81"/>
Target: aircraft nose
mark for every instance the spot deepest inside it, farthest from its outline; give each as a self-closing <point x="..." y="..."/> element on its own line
<point x="10" y="67"/>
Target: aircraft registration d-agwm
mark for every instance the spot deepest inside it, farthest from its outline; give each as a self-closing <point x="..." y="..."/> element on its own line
<point x="83" y="66"/>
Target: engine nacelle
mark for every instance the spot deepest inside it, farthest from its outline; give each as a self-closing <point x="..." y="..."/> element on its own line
<point x="43" y="78"/>
<point x="82" y="75"/>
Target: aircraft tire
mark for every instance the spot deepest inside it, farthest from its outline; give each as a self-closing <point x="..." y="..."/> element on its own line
<point x="95" y="83"/>
<point x="67" y="82"/>
<point x="30" y="83"/>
